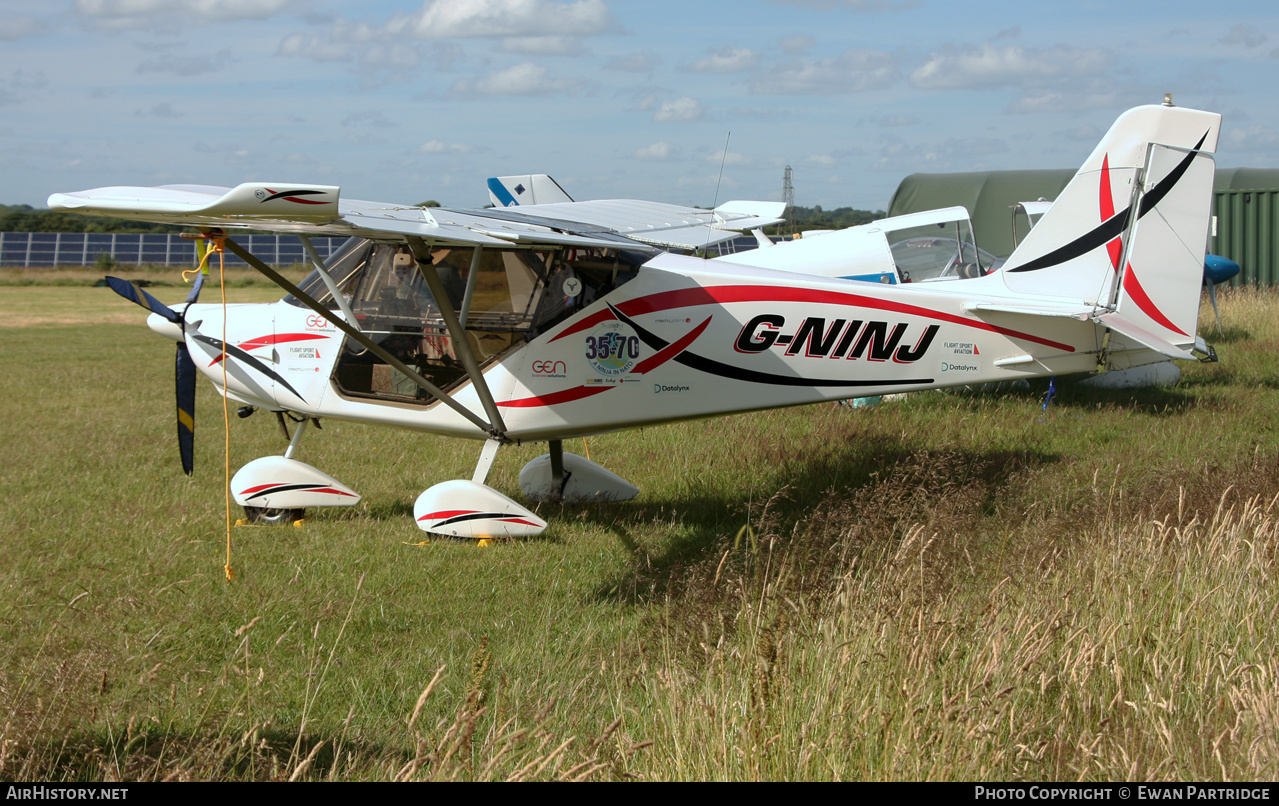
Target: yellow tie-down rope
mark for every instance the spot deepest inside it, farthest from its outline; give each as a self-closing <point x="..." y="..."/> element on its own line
<point x="208" y="244"/>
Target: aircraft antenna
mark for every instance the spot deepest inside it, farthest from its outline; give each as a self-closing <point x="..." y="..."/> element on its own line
<point x="788" y="198"/>
<point x="723" y="158"/>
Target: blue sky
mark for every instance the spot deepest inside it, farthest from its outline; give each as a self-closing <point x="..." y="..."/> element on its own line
<point x="408" y="100"/>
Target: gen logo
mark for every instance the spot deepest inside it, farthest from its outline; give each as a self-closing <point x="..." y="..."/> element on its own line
<point x="556" y="369"/>
<point x="317" y="321"/>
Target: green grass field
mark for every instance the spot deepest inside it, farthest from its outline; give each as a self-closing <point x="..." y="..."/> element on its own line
<point x="957" y="587"/>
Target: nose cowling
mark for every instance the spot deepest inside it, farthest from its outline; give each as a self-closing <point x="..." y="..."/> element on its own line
<point x="163" y="327"/>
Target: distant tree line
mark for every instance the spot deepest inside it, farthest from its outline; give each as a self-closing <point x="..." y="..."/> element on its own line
<point x="800" y="218"/>
<point x="25" y="218"/>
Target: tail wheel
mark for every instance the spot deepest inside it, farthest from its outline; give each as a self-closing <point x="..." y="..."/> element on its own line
<point x="269" y="516"/>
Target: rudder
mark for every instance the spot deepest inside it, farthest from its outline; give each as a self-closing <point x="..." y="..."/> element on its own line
<point x="515" y="191"/>
<point x="1138" y="210"/>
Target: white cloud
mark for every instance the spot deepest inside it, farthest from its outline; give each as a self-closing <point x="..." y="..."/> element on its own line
<point x="898" y="120"/>
<point x="661" y="150"/>
<point x="1087" y="133"/>
<point x="164" y="109"/>
<point x="1253" y="138"/>
<point x="543" y="46"/>
<point x="855" y="70"/>
<point x="956" y="153"/>
<point x="986" y="66"/>
<point x="18" y="27"/>
<point x="437" y="147"/>
<point x="851" y="5"/>
<point x="314" y="47"/>
<point x="825" y="160"/>
<point x="525" y="78"/>
<point x="727" y="59"/>
<point x="185" y="65"/>
<point x="1075" y="100"/>
<point x="796" y="44"/>
<point x="28" y="80"/>
<point x="503" y="18"/>
<point x="368" y="118"/>
<point x="1246" y="35"/>
<point x="710" y="182"/>
<point x="730" y="158"/>
<point x="151" y="14"/>
<point x="681" y="110"/>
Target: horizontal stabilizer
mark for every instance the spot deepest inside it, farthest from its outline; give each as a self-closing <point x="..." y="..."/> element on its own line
<point x="1068" y="312"/>
<point x="1128" y="329"/>
<point x="665" y="225"/>
<point x="686" y="237"/>
<point x="745" y="215"/>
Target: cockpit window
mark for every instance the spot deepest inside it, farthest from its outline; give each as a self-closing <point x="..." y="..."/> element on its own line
<point x="343" y="266"/>
<point x="943" y="251"/>
<point x="501" y="296"/>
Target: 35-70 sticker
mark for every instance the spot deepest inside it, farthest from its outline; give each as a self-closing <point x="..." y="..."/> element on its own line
<point x="612" y="349"/>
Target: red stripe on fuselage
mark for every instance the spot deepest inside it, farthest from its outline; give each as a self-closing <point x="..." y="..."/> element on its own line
<point x="671" y="350"/>
<point x="273" y="338"/>
<point x="563" y="396"/>
<point x="448" y="513"/>
<point x="725" y="294"/>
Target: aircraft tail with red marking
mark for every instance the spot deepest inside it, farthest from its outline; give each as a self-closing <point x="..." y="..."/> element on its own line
<point x="1127" y="236"/>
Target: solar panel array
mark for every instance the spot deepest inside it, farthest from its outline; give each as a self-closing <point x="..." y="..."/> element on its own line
<point x="40" y="249"/>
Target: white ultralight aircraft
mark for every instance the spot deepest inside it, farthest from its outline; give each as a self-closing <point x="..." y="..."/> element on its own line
<point x="545" y="319"/>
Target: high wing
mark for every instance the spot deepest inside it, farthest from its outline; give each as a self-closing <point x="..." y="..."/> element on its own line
<point x="320" y="210"/>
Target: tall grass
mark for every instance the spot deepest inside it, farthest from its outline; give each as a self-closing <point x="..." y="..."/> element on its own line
<point x="954" y="587"/>
<point x="1114" y="641"/>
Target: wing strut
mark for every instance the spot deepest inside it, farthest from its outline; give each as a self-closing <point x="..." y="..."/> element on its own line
<point x="469" y="294"/>
<point x="362" y="339"/>
<point x="462" y="345"/>
<point x="338" y="296"/>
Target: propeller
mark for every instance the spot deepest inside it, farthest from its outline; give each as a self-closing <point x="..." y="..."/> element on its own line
<point x="184" y="365"/>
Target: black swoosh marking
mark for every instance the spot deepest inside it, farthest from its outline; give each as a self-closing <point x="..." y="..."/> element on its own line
<point x="1116" y="224"/>
<point x="288" y="194"/>
<point x="242" y="356"/>
<point x="713" y="367"/>
<point x="477" y="516"/>
<point x="284" y="488"/>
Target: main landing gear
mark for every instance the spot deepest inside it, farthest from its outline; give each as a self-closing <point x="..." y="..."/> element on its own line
<point x="473" y="509"/>
<point x="278" y="489"/>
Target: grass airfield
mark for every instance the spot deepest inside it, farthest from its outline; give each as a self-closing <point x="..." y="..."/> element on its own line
<point x="951" y="587"/>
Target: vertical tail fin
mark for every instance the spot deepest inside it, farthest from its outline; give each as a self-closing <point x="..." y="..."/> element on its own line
<point x="1129" y="233"/>
<point x="513" y="191"/>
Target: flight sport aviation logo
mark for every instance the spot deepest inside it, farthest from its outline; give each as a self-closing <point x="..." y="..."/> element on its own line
<point x="872" y="340"/>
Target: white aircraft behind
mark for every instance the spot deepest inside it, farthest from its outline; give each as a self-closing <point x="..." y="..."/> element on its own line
<point x="553" y="319"/>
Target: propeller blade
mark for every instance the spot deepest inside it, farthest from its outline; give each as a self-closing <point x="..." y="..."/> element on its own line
<point x="195" y="289"/>
<point x="134" y="294"/>
<point x="185" y="375"/>
<point x="1212" y="297"/>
